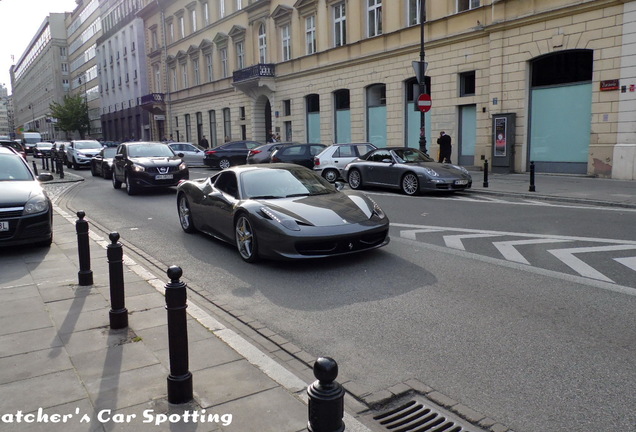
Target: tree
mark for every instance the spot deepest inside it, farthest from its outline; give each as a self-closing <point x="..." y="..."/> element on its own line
<point x="72" y="114"/>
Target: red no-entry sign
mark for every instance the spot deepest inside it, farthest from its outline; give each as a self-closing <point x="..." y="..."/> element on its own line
<point x="424" y="102"/>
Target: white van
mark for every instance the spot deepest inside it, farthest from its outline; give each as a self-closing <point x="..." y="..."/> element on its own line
<point x="29" y="139"/>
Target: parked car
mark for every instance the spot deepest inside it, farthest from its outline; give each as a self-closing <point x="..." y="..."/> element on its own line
<point x="281" y="211"/>
<point x="42" y="149"/>
<point x="407" y="169"/>
<point x="80" y="152"/>
<point x="19" y="148"/>
<point x="331" y="161"/>
<point x="299" y="154"/>
<point x="26" y="212"/>
<point x="263" y="153"/>
<point x="193" y="155"/>
<point x="143" y="164"/>
<point x="102" y="162"/>
<point x="229" y="154"/>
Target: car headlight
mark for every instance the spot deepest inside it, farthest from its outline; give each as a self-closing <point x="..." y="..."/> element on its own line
<point x="138" y="168"/>
<point x="37" y="204"/>
<point x="430" y="172"/>
<point x="288" y="223"/>
<point x="183" y="166"/>
<point x="462" y="169"/>
<point x="377" y="210"/>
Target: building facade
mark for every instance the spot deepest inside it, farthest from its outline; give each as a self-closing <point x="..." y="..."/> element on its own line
<point x="6" y="115"/>
<point x="41" y="77"/>
<point x="121" y="62"/>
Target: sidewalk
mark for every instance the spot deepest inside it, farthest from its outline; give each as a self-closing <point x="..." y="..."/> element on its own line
<point x="60" y="360"/>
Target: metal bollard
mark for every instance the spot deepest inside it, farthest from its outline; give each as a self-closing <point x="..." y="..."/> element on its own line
<point x="52" y="160"/>
<point x="326" y="398"/>
<point x="118" y="314"/>
<point x="85" y="275"/>
<point x="180" y="378"/>
<point x="35" y="168"/>
<point x="43" y="158"/>
<point x="532" y="187"/>
<point x="60" y="167"/>
<point x="485" y="173"/>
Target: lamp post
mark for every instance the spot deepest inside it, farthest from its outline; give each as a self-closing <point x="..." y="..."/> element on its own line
<point x="422" y="75"/>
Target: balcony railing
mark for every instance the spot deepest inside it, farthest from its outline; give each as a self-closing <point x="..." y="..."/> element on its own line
<point x="256" y="71"/>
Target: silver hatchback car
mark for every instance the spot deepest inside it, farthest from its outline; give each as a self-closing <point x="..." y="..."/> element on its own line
<point x="331" y="161"/>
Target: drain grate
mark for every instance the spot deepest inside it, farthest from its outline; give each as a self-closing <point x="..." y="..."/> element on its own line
<point x="419" y="416"/>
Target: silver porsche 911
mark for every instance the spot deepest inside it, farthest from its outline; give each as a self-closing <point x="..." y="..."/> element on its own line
<point x="281" y="211"/>
<point x="407" y="169"/>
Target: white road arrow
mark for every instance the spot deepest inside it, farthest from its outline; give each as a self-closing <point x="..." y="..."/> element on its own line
<point x="507" y="248"/>
<point x="567" y="256"/>
<point x="455" y="241"/>
<point x="629" y="262"/>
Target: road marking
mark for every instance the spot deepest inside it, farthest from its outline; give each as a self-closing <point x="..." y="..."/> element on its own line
<point x="455" y="241"/>
<point x="507" y="248"/>
<point x="629" y="262"/>
<point x="411" y="234"/>
<point x="567" y="256"/>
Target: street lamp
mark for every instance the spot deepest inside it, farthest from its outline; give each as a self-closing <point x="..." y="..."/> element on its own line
<point x="422" y="75"/>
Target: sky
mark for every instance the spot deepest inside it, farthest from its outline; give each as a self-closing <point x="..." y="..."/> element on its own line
<point x="21" y="19"/>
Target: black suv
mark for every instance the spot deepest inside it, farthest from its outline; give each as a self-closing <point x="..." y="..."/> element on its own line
<point x="147" y="165"/>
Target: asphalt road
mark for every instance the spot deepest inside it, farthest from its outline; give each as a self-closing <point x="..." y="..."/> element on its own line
<point x="537" y="347"/>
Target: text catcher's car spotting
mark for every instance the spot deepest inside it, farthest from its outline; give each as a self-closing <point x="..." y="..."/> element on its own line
<point x="80" y="152"/>
<point x="42" y="149"/>
<point x="147" y="165"/>
<point x="26" y="213"/>
<point x="331" y="161"/>
<point x="300" y="154"/>
<point x="192" y="155"/>
<point x="407" y="169"/>
<point x="229" y="154"/>
<point x="281" y="211"/>
<point x="102" y="163"/>
<point x="263" y="153"/>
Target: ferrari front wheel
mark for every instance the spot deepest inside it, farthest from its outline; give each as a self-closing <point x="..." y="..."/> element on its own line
<point x="245" y="239"/>
<point x="185" y="215"/>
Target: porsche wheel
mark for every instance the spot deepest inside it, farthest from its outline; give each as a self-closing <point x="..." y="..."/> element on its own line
<point x="410" y="184"/>
<point x="355" y="179"/>
<point x="245" y="239"/>
<point x="185" y="216"/>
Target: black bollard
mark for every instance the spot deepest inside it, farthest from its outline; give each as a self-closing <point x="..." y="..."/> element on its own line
<point x="43" y="158"/>
<point x="532" y="188"/>
<point x="326" y="398"/>
<point x="485" y="173"/>
<point x="180" y="378"/>
<point x="85" y="275"/>
<point x="118" y="313"/>
<point x="35" y="168"/>
<point x="60" y="168"/>
<point x="52" y="160"/>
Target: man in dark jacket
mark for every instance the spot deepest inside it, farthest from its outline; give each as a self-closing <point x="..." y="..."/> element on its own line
<point x="204" y="142"/>
<point x="445" y="147"/>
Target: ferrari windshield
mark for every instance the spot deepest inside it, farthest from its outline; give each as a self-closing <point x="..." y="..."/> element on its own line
<point x="283" y="183"/>
<point x="410" y="155"/>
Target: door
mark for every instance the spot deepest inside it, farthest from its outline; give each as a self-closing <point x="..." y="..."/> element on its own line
<point x="467" y="135"/>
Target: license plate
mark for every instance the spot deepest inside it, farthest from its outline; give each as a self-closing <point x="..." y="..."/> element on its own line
<point x="461" y="182"/>
<point x="163" y="177"/>
<point x="4" y="226"/>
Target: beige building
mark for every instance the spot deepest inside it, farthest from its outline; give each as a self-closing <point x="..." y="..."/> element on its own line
<point x="511" y="81"/>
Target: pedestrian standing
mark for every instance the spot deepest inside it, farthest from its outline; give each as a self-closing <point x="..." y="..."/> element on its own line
<point x="445" y="147"/>
<point x="204" y="142"/>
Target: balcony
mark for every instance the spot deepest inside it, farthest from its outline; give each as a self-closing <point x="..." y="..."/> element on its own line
<point x="252" y="77"/>
<point x="153" y="102"/>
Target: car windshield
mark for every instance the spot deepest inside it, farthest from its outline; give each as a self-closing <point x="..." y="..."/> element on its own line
<point x="149" y="150"/>
<point x="283" y="183"/>
<point x="13" y="169"/>
<point x="84" y="145"/>
<point x="110" y="152"/>
<point x="410" y="155"/>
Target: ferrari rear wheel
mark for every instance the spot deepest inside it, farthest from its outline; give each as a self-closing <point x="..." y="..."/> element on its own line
<point x="410" y="184"/>
<point x="355" y="179"/>
<point x="246" y="239"/>
<point x="185" y="216"/>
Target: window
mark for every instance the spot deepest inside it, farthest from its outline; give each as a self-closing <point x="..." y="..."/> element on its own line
<point x="339" y="25"/>
<point x="195" y="67"/>
<point x="182" y="26"/>
<point x="64" y="67"/>
<point x="227" y="124"/>
<point x="464" y="5"/>
<point x="212" y="116"/>
<point x="414" y="12"/>
<point x="157" y="73"/>
<point x="187" y="127"/>
<point x="155" y="40"/>
<point x="173" y="73"/>
<point x="208" y="67"/>
<point x="374" y="18"/>
<point x="239" y="4"/>
<point x="242" y="113"/>
<point x="171" y="31"/>
<point x="221" y="8"/>
<point x="223" y="53"/>
<point x="287" y="107"/>
<point x="262" y="44"/>
<point x="240" y="55"/>
<point x="193" y="17"/>
<point x="184" y="75"/>
<point x="286" y="40"/>
<point x="310" y="34"/>
<point x="467" y="83"/>
<point x="206" y="14"/>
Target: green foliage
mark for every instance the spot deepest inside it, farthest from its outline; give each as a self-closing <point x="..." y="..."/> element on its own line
<point x="72" y="114"/>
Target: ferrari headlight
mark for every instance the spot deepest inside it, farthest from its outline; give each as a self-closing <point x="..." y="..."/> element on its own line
<point x="377" y="210"/>
<point x="290" y="224"/>
<point x="37" y="204"/>
<point x="138" y="168"/>
<point x="430" y="172"/>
